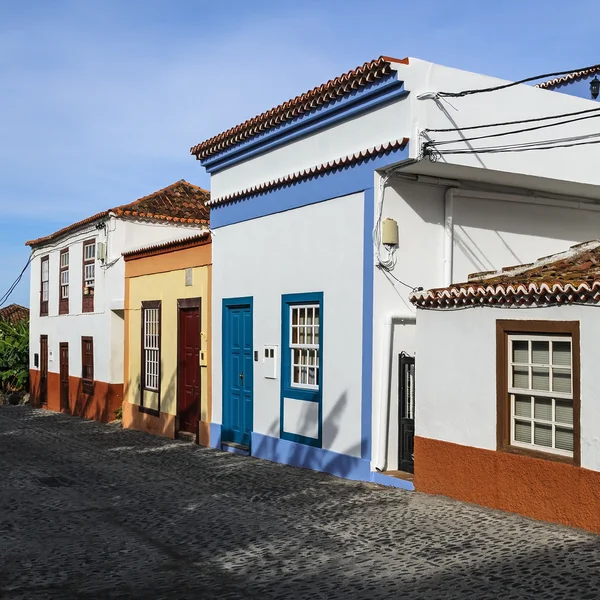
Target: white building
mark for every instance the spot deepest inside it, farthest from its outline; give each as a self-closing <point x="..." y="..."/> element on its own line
<point x="313" y="285"/>
<point x="507" y="397"/>
<point x="77" y="298"/>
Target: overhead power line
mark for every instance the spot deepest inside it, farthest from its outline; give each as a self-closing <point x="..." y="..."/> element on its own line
<point x="515" y="131"/>
<point x="513" y="83"/>
<point x="519" y="122"/>
<point x="15" y="283"/>
<point x="516" y="148"/>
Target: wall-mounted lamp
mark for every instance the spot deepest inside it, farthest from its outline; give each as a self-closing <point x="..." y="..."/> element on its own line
<point x="595" y="87"/>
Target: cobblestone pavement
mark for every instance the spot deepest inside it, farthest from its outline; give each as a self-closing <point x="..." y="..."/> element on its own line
<point x="93" y="511"/>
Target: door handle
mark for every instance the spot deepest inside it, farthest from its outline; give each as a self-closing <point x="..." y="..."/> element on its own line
<point x="242" y="376"/>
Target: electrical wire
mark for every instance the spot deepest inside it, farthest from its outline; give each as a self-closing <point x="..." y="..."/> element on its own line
<point x="515" y="131"/>
<point x="519" y="122"/>
<point x="13" y="286"/>
<point x="522" y="148"/>
<point x="513" y="83"/>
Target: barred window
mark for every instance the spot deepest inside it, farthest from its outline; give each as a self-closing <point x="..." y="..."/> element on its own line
<point x="151" y="345"/>
<point x="44" y="285"/>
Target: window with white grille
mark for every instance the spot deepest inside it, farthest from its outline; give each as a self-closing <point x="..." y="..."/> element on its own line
<point x="540" y="386"/>
<point x="44" y="285"/>
<point x="64" y="274"/>
<point x="305" y="345"/>
<point x="151" y="347"/>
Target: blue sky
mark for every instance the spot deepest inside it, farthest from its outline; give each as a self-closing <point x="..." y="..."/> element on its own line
<point x="102" y="99"/>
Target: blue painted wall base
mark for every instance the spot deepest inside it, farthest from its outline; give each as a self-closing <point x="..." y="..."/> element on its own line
<point x="215" y="435"/>
<point x="309" y="457"/>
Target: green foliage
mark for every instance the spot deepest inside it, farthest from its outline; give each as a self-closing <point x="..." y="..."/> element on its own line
<point x="14" y="356"/>
<point x="119" y="413"/>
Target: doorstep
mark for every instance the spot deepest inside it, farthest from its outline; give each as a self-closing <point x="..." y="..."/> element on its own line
<point x="398" y="479"/>
<point x="235" y="448"/>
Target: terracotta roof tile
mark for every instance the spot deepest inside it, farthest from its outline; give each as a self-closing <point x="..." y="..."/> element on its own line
<point x="180" y="202"/>
<point x="569" y="277"/>
<point x="310" y="172"/>
<point x="153" y="249"/>
<point x="14" y="313"/>
<point x="570" y="78"/>
<point x="318" y="96"/>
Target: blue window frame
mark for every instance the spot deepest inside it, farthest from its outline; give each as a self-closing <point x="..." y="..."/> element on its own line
<point x="302" y="359"/>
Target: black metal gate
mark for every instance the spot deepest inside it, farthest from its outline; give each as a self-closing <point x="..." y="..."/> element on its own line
<point x="406" y="396"/>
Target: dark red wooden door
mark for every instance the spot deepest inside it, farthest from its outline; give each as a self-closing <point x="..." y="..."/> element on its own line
<point x="64" y="376"/>
<point x="43" y="369"/>
<point x="188" y="398"/>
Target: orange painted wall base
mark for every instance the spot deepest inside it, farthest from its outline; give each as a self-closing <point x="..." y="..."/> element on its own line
<point x="100" y="405"/>
<point x="541" y="489"/>
<point x="163" y="425"/>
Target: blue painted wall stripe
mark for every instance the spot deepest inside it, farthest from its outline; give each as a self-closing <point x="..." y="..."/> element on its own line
<point x="367" y="325"/>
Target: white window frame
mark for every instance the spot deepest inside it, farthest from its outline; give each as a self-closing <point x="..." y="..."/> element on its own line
<point x="308" y="349"/>
<point x="151" y="347"/>
<point x="533" y="393"/>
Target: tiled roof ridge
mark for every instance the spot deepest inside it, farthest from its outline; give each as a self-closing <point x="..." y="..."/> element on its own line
<point x="322" y="94"/>
<point x="159" y="247"/>
<point x="14" y="313"/>
<point x="125" y="211"/>
<point x="485" y="289"/>
<point x="574" y="76"/>
<point x="309" y="172"/>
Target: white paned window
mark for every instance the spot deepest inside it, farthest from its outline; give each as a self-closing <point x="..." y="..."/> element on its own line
<point x="89" y="251"/>
<point x="45" y="278"/>
<point x="540" y="385"/>
<point x="89" y="275"/>
<point x="305" y="345"/>
<point x="64" y="284"/>
<point x="151" y="346"/>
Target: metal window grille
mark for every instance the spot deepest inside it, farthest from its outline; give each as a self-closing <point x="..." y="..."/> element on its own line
<point x="151" y="348"/>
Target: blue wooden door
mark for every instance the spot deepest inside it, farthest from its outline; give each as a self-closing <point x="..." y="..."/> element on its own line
<point x="237" y="372"/>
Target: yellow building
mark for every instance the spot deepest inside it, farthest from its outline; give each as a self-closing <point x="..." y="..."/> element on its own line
<point x="167" y="338"/>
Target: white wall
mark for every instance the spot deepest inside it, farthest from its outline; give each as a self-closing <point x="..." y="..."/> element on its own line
<point x="318" y="248"/>
<point x="515" y="103"/>
<point x="104" y="324"/>
<point x="456" y="365"/>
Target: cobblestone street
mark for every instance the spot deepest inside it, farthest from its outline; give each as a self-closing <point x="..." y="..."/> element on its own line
<point x="93" y="511"/>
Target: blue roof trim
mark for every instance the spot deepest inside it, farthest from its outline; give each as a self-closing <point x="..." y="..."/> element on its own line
<point x="376" y="95"/>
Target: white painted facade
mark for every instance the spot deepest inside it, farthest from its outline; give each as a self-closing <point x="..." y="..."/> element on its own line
<point x="105" y="323"/>
<point x="298" y="251"/>
<point x="517" y="207"/>
<point x="456" y="398"/>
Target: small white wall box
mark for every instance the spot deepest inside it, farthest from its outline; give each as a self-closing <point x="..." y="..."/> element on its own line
<point x="270" y="362"/>
<point x="389" y="233"/>
<point x="101" y="251"/>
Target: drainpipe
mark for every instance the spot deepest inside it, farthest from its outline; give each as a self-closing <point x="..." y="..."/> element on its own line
<point x="448" y="234"/>
<point x="386" y="369"/>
